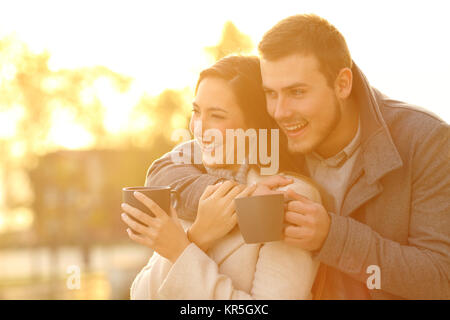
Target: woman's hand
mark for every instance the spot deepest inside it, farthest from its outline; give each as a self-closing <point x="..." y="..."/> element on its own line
<point x="216" y="215"/>
<point x="162" y="233"/>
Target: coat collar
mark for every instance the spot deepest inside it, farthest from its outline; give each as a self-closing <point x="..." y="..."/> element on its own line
<point x="379" y="155"/>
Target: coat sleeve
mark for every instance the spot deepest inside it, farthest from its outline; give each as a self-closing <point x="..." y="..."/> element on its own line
<point x="178" y="169"/>
<point x="419" y="269"/>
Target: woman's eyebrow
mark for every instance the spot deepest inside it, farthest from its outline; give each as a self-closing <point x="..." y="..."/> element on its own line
<point x="217" y="109"/>
<point x="210" y="108"/>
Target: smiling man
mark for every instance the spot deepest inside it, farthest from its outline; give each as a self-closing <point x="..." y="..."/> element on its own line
<point x="383" y="165"/>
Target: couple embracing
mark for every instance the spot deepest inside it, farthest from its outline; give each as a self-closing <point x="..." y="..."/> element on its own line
<point x="365" y="180"/>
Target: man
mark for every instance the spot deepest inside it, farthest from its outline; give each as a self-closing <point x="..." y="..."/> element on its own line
<point x="384" y="229"/>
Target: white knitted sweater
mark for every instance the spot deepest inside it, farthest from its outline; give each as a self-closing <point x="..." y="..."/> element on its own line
<point x="232" y="269"/>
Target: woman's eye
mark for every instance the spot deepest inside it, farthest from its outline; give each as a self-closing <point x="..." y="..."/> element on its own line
<point x="216" y="116"/>
<point x="270" y="94"/>
<point x="195" y="111"/>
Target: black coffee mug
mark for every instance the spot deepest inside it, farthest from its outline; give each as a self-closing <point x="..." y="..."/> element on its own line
<point x="163" y="196"/>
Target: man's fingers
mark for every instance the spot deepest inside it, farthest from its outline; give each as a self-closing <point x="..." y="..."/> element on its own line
<point x="276" y="181"/>
<point x="295" y="196"/>
<point x="149" y="203"/>
<point x="299" y="243"/>
<point x="296" y="218"/>
<point x="300" y="207"/>
<point x="138" y="214"/>
<point x="296" y="232"/>
<point x="224" y="188"/>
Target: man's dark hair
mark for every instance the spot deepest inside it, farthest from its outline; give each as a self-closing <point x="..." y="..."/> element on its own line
<point x="308" y="34"/>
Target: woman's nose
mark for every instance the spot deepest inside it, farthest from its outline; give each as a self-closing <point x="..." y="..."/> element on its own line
<point x="199" y="126"/>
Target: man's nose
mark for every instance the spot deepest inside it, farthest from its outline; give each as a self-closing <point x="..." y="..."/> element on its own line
<point x="282" y="109"/>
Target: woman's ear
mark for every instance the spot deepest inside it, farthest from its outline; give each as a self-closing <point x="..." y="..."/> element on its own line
<point x="343" y="83"/>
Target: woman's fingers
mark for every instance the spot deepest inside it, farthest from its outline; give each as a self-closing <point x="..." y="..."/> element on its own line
<point x="234" y="192"/>
<point x="224" y="188"/>
<point x="139" y="239"/>
<point x="138" y="214"/>
<point x="210" y="190"/>
<point x="243" y="191"/>
<point x="149" y="203"/>
<point x="247" y="191"/>
<point x="136" y="226"/>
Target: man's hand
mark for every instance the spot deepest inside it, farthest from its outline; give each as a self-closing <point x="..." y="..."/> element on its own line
<point x="309" y="221"/>
<point x="270" y="184"/>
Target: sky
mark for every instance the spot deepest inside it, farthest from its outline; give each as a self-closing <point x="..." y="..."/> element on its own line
<point x="401" y="46"/>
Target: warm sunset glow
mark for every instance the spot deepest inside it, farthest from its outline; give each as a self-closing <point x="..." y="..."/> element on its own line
<point x="160" y="45"/>
<point x="66" y="132"/>
<point x="9" y="119"/>
<point x="91" y="93"/>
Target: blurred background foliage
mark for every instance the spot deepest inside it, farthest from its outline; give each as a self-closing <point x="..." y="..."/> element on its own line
<point x="71" y="139"/>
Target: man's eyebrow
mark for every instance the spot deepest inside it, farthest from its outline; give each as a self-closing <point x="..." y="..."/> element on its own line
<point x="294" y="85"/>
<point x="211" y="108"/>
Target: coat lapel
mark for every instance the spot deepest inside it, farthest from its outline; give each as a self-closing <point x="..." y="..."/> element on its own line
<point x="378" y="155"/>
<point x="360" y="192"/>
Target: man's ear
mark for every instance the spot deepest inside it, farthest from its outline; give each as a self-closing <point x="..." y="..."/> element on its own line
<point x="343" y="83"/>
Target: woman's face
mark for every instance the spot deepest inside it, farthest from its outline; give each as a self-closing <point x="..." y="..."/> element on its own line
<point x="215" y="107"/>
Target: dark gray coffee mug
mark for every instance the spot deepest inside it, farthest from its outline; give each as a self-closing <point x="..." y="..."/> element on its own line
<point x="261" y="217"/>
<point x="163" y="196"/>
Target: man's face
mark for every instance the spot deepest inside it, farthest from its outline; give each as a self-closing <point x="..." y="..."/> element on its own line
<point x="300" y="100"/>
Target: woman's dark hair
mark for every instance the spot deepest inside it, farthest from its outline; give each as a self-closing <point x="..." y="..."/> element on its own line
<point x="243" y="74"/>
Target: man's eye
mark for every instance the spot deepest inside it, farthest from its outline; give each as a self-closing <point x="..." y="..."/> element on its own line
<point x="216" y="116"/>
<point x="195" y="111"/>
<point x="297" y="92"/>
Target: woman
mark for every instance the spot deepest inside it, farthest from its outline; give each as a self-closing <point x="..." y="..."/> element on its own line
<point x="211" y="260"/>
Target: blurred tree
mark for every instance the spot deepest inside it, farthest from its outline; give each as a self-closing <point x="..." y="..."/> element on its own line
<point x="32" y="98"/>
<point x="39" y="107"/>
<point x="232" y="41"/>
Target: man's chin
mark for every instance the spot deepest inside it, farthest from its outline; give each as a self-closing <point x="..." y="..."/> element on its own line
<point x="297" y="147"/>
